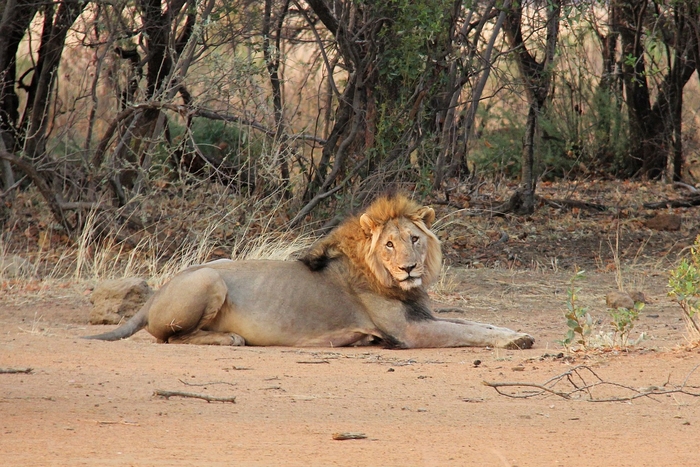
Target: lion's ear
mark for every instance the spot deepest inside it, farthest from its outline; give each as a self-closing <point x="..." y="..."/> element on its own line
<point x="368" y="225"/>
<point x="427" y="215"/>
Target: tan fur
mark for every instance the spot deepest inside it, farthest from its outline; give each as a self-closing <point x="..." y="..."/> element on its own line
<point x="360" y="239"/>
<point x="365" y="282"/>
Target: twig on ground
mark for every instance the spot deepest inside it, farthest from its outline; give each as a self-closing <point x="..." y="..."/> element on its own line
<point x="348" y="435"/>
<point x="7" y="371"/>
<point x="573" y="203"/>
<point x="211" y="383"/>
<point x="502" y="239"/>
<point x="675" y="203"/>
<point x="575" y="378"/>
<point x="208" y="398"/>
<point x="111" y="422"/>
<point x="688" y="187"/>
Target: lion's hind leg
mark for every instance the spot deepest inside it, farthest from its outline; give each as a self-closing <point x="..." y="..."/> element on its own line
<point x="185" y="306"/>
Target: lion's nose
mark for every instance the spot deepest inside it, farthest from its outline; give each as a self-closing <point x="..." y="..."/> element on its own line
<point x="409" y="268"/>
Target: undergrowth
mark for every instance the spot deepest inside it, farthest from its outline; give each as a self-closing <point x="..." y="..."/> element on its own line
<point x="684" y="289"/>
<point x="581" y="323"/>
<point x="178" y="226"/>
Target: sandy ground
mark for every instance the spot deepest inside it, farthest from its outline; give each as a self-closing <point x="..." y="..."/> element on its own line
<point x="93" y="403"/>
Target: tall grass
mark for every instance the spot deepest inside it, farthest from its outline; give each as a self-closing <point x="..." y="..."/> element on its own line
<point x="221" y="224"/>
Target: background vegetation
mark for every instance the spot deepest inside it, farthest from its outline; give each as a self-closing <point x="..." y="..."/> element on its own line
<point x="253" y="117"/>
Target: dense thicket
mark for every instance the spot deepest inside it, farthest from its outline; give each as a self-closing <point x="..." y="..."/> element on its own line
<point x="306" y="101"/>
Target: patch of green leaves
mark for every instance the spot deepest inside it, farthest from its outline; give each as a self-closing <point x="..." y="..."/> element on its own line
<point x="580" y="323"/>
<point x="622" y="321"/>
<point x="684" y="286"/>
<point x="578" y="320"/>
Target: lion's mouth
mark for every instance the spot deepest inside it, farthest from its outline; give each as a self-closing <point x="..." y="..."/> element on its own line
<point x="410" y="282"/>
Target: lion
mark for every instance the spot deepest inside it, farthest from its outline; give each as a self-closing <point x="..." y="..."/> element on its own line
<point x="365" y="283"/>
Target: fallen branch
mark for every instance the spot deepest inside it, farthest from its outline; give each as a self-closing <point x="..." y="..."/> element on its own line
<point x="572" y="203"/>
<point x="576" y="379"/>
<point x="687" y="202"/>
<point x="208" y="398"/>
<point x="9" y="371"/>
<point x="543" y="389"/>
<point x="348" y="435"/>
<point x="690" y="188"/>
<point x="111" y="422"/>
<point x="211" y="383"/>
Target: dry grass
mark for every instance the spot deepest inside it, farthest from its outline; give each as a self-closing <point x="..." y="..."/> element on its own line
<point x="190" y="225"/>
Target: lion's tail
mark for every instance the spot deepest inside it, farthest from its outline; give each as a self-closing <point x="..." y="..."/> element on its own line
<point x="131" y="327"/>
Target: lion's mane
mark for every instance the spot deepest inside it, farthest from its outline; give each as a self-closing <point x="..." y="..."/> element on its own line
<point x="353" y="241"/>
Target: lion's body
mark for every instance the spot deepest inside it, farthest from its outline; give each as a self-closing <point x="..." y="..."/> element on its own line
<point x="364" y="282"/>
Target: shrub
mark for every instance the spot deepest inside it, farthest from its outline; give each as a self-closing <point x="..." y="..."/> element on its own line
<point x="684" y="285"/>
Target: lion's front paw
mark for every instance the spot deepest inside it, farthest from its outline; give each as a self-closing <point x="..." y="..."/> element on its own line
<point x="519" y="342"/>
<point x="237" y="340"/>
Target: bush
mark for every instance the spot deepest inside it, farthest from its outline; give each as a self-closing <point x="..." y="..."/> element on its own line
<point x="684" y="285"/>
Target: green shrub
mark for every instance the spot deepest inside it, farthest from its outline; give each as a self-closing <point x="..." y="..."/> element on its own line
<point x="684" y="285"/>
<point x="622" y="321"/>
<point x="578" y="320"/>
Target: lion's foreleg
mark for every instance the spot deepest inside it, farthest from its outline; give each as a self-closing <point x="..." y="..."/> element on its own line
<point x="447" y="332"/>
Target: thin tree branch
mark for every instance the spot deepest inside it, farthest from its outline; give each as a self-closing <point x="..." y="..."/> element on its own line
<point x="206" y="397"/>
<point x="43" y="187"/>
<point x="547" y="387"/>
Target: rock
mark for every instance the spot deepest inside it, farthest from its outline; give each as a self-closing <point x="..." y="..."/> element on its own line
<point x="117" y="299"/>
<point x="618" y="299"/>
<point x="14" y="266"/>
<point x="638" y="296"/>
<point x="664" y="221"/>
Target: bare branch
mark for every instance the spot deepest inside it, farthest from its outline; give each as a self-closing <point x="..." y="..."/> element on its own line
<point x="7" y="371"/>
<point x="43" y="187"/>
<point x="206" y="397"/>
<point x="547" y="387"/>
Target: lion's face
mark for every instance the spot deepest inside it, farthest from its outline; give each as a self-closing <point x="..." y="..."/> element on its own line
<point x="403" y="251"/>
<point x="402" y="248"/>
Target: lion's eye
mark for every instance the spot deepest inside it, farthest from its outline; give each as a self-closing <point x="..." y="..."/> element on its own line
<point x="414" y="239"/>
<point x="389" y="244"/>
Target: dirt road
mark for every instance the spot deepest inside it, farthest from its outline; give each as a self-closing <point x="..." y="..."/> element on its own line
<point x="92" y="403"/>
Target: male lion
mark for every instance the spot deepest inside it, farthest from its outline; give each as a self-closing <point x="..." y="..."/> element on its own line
<point x="363" y="283"/>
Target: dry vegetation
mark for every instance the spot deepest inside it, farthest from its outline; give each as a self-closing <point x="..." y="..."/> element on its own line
<point x="205" y="224"/>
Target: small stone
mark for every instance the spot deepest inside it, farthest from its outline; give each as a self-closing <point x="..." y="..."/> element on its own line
<point x="14" y="267"/>
<point x="664" y="221"/>
<point x="116" y="299"/>
<point x="638" y="296"/>
<point x="618" y="299"/>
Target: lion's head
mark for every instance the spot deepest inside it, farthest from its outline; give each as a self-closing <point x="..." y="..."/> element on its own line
<point x="391" y="242"/>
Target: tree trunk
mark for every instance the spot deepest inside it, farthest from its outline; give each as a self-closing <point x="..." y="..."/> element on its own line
<point x="537" y="78"/>
<point x="16" y="16"/>
<point x="528" y="177"/>
<point x="50" y="51"/>
<point x="272" y="35"/>
<point x="654" y="130"/>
